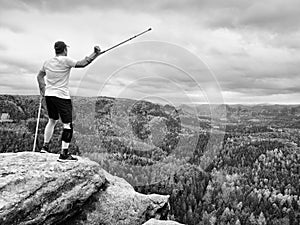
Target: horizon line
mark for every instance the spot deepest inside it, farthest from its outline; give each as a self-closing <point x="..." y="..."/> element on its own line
<point x="195" y="103"/>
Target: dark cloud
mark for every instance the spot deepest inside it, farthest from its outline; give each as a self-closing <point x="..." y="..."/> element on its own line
<point x="15" y="28"/>
<point x="154" y="7"/>
<point x="16" y="83"/>
<point x="19" y="86"/>
<point x="152" y="85"/>
<point x="15" y="65"/>
<point x="271" y="15"/>
<point x="268" y="91"/>
<point x="278" y="16"/>
<point x="262" y="86"/>
<point x="12" y="5"/>
<point x="3" y="47"/>
<point x="287" y="40"/>
<point x="67" y="5"/>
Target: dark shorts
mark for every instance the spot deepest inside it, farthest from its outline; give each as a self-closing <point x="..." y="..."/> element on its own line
<point x="59" y="107"/>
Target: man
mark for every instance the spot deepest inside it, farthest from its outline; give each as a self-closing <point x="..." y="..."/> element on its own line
<point x="56" y="72"/>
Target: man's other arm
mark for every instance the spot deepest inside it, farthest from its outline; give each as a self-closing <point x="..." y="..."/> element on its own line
<point x="41" y="81"/>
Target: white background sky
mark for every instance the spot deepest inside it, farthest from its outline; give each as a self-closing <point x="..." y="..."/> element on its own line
<point x="252" y="47"/>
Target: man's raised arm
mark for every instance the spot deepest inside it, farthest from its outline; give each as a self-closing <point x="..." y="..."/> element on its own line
<point x="87" y="60"/>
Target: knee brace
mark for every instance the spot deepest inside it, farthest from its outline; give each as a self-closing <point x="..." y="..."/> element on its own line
<point x="67" y="134"/>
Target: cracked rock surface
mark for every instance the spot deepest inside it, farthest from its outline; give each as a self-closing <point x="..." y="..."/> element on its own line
<point x="37" y="189"/>
<point x="119" y="204"/>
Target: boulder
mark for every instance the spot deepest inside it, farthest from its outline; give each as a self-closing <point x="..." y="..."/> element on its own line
<point x="37" y="189"/>
<point x="119" y="204"/>
<point x="161" y="222"/>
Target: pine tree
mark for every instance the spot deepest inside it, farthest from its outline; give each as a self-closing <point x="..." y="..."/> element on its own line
<point x="252" y="219"/>
<point x="238" y="222"/>
<point x="261" y="219"/>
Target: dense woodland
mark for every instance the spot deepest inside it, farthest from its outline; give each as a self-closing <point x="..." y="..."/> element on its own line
<point x="254" y="171"/>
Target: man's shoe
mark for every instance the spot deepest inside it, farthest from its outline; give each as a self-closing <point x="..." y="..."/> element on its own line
<point x="44" y="149"/>
<point x="66" y="158"/>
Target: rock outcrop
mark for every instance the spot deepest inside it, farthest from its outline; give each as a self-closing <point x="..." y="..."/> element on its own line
<point x="119" y="204"/>
<point x="161" y="222"/>
<point x="37" y="189"/>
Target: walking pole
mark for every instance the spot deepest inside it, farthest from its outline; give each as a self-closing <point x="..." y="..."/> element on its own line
<point x="126" y="41"/>
<point x="37" y="124"/>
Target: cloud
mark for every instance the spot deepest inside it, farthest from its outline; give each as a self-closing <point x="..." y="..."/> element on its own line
<point x="17" y="65"/>
<point x="18" y="84"/>
<point x="264" y="86"/>
<point x="252" y="47"/>
<point x="58" y="6"/>
<point x="272" y="15"/>
<point x="218" y="13"/>
<point x="265" y="14"/>
<point x="7" y="24"/>
<point x="3" y="47"/>
<point x="288" y="40"/>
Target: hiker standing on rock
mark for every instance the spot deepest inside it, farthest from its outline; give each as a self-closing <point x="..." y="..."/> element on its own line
<point x="53" y="80"/>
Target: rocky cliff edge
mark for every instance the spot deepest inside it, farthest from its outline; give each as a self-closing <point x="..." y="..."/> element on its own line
<point x="37" y="189"/>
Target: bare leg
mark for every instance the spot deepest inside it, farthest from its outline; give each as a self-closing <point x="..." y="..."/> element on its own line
<point x="49" y="130"/>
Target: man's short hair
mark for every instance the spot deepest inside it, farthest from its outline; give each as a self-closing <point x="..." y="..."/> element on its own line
<point x="59" y="47"/>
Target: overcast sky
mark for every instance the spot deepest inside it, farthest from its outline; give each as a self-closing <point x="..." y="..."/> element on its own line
<point x="236" y="51"/>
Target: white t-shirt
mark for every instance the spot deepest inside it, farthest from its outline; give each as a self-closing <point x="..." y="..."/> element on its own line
<point x="57" y="71"/>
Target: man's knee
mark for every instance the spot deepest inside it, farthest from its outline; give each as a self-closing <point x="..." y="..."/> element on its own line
<point x="52" y="121"/>
<point x="67" y="133"/>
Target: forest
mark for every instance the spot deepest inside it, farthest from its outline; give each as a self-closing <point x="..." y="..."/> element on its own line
<point x="242" y="169"/>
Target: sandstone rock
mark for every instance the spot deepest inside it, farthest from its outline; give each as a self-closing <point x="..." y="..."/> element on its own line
<point x="119" y="204"/>
<point x="36" y="189"/>
<point x="161" y="222"/>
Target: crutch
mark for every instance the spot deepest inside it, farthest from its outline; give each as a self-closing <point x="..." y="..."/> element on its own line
<point x="129" y="39"/>
<point x="37" y="124"/>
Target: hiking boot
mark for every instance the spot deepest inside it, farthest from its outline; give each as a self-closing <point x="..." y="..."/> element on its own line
<point x="44" y="149"/>
<point x="66" y="158"/>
